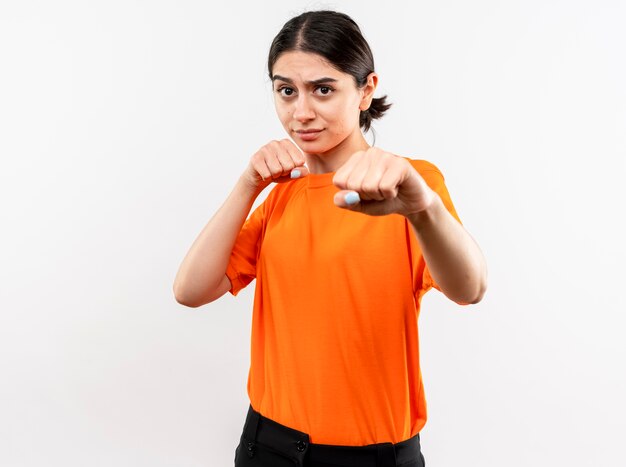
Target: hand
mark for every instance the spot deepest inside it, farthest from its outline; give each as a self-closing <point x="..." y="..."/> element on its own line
<point x="377" y="183"/>
<point x="277" y="161"/>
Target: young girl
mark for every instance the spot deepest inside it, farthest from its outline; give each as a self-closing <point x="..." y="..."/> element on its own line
<point x="343" y="249"/>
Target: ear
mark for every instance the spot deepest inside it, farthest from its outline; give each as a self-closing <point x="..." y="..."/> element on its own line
<point x="368" y="91"/>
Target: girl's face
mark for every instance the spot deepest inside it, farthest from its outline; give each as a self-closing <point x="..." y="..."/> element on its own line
<point x="317" y="104"/>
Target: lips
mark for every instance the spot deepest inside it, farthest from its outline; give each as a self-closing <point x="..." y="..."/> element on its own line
<point x="308" y="135"/>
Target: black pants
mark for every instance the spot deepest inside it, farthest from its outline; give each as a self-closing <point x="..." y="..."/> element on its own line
<point x="266" y="443"/>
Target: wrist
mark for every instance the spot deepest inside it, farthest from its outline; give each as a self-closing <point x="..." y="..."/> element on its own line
<point x="429" y="214"/>
<point x="251" y="187"/>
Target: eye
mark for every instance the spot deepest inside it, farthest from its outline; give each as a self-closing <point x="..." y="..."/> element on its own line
<point x="325" y="90"/>
<point x="288" y="91"/>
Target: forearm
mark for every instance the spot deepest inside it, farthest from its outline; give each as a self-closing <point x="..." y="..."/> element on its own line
<point x="204" y="267"/>
<point x="453" y="257"/>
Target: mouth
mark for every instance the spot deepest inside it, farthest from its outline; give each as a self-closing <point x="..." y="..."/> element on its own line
<point x="308" y="135"/>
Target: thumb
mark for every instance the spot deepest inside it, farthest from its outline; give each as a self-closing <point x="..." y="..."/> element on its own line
<point x="295" y="174"/>
<point x="351" y="201"/>
<point x="347" y="199"/>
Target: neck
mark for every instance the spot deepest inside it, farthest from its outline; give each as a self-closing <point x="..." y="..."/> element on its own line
<point x="331" y="160"/>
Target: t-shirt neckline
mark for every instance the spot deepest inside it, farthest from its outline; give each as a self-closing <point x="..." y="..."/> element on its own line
<point x="320" y="180"/>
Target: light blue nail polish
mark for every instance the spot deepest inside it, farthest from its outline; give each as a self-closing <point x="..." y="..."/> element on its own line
<point x="352" y="198"/>
<point x="295" y="173"/>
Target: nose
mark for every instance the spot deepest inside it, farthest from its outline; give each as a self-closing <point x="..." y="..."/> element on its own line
<point x="303" y="110"/>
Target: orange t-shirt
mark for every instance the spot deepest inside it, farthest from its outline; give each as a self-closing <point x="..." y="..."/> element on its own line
<point x="335" y="345"/>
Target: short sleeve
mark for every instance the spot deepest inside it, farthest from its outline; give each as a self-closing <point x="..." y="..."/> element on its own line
<point x="423" y="281"/>
<point x="241" y="269"/>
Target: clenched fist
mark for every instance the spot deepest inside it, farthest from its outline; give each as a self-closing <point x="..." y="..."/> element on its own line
<point x="277" y="161"/>
<point x="377" y="183"/>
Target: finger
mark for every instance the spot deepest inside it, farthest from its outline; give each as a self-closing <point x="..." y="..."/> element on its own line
<point x="273" y="163"/>
<point x="294" y="153"/>
<point x="346" y="199"/>
<point x="283" y="152"/>
<point x="370" y="186"/>
<point x="260" y="167"/>
<point x="349" y="200"/>
<point x="299" y="172"/>
<point x="340" y="179"/>
<point x="357" y="175"/>
<point x="390" y="180"/>
<point x="296" y="173"/>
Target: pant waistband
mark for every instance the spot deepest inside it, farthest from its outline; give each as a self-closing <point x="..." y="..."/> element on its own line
<point x="296" y="444"/>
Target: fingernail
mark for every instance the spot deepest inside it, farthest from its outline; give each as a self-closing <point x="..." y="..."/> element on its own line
<point x="295" y="173"/>
<point x="352" y="198"/>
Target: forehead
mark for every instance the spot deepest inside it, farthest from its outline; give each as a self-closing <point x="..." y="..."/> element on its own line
<point x="304" y="66"/>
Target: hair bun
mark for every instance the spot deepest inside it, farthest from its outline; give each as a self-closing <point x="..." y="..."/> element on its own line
<point x="377" y="109"/>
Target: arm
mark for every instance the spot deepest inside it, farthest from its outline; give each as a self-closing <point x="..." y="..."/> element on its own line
<point x="453" y="257"/>
<point x="201" y="277"/>
<point x="378" y="183"/>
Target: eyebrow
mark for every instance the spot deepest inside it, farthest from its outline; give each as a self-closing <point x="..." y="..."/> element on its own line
<point x="312" y="82"/>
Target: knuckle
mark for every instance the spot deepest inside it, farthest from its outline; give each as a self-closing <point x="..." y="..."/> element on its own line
<point x="258" y="159"/>
<point x="262" y="171"/>
<point x="274" y="168"/>
<point x="286" y="144"/>
<point x="388" y="191"/>
<point x="369" y="187"/>
<point x="353" y="185"/>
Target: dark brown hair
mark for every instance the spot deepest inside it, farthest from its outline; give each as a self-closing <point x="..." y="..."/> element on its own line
<point x="336" y="37"/>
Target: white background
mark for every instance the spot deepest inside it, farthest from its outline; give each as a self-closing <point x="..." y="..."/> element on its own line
<point x="124" y="125"/>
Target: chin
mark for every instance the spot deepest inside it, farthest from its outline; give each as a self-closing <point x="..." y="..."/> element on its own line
<point x="313" y="147"/>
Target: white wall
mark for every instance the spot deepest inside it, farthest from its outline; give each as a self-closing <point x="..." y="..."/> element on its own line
<point x="123" y="126"/>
